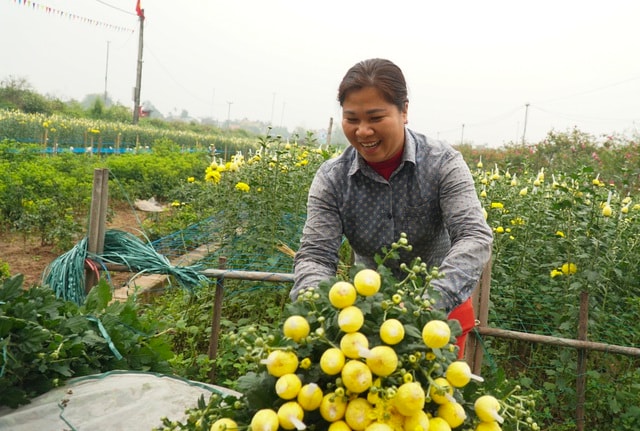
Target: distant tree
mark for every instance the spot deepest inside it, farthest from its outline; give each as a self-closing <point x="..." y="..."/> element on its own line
<point x="118" y="113"/>
<point x="88" y="102"/>
<point x="57" y="105"/>
<point x="97" y="109"/>
<point x="17" y="93"/>
<point x="72" y="108"/>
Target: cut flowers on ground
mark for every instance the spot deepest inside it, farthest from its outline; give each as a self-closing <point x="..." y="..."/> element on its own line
<point x="367" y="353"/>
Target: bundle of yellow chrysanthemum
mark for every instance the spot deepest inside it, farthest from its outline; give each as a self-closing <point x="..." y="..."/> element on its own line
<point x="367" y="354"/>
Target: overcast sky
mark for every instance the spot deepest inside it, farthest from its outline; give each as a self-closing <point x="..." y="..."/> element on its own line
<point x="467" y="62"/>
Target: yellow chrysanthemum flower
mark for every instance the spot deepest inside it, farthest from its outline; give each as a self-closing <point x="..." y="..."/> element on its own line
<point x="212" y="175"/>
<point x="518" y="221"/>
<point x="243" y="187"/>
<point x="569" y="268"/>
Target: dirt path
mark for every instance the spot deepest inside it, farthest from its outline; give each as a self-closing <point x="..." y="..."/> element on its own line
<point x="28" y="257"/>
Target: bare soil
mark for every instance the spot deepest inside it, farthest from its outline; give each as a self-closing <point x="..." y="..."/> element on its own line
<point x="27" y="256"/>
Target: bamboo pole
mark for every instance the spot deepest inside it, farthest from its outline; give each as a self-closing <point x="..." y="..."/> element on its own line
<point x="558" y="341"/>
<point x="248" y="275"/>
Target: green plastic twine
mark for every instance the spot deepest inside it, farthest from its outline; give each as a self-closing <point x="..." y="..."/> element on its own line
<point x="66" y="274"/>
<point x="4" y="358"/>
<point x="106" y="336"/>
<point x="125" y="248"/>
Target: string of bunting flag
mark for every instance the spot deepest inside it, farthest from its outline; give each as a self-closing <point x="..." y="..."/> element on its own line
<point x="61" y="13"/>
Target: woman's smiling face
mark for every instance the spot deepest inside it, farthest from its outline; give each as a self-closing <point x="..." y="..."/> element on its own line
<point x="373" y="126"/>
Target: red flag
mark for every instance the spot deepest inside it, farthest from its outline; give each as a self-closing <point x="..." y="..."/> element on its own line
<point x="139" y="10"/>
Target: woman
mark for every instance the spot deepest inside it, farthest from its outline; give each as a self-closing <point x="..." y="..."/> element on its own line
<point x="392" y="180"/>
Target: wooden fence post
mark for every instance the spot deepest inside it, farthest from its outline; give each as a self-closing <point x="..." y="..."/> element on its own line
<point x="97" y="220"/>
<point x="474" y="352"/>
<point x="215" y="320"/>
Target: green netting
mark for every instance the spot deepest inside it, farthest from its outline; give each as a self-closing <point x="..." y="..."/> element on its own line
<point x="205" y="243"/>
<point x="248" y="249"/>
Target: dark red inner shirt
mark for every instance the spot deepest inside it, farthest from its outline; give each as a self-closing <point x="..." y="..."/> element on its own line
<point x="387" y="167"/>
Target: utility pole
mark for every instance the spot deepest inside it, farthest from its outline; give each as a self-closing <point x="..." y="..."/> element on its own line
<point x="106" y="74"/>
<point x="136" y="91"/>
<point x="329" y="132"/>
<point x="213" y="106"/>
<point x="282" y="114"/>
<point x="273" y="105"/>
<point x="526" y="115"/>
<point x="229" y="114"/>
<point x="462" y="135"/>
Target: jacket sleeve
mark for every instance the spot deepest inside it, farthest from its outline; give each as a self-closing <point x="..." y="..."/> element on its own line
<point x="471" y="237"/>
<point x="317" y="258"/>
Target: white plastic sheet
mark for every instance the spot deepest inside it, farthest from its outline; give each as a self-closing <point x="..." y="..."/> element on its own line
<point x="117" y="400"/>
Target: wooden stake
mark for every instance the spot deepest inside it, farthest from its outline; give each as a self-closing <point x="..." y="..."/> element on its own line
<point x="581" y="369"/>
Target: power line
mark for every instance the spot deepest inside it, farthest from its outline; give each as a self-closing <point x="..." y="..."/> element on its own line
<point x="578" y="117"/>
<point x="174" y="79"/>
<point x="593" y="90"/>
<point x="487" y="122"/>
<point x="115" y="7"/>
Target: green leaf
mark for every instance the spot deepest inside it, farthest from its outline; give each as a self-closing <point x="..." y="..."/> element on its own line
<point x="98" y="298"/>
<point x="258" y="389"/>
<point x="11" y="288"/>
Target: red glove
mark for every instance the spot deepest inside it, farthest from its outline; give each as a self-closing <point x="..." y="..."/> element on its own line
<point x="464" y="314"/>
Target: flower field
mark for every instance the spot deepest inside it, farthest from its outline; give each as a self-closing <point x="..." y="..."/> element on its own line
<point x="566" y="220"/>
<point x="56" y="134"/>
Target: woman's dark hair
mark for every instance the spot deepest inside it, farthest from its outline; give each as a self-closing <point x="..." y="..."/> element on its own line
<point x="379" y="73"/>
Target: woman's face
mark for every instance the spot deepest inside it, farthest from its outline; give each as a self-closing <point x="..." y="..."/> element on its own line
<point x="373" y="126"/>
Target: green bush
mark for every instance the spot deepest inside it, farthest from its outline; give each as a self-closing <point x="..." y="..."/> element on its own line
<point x="45" y="341"/>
